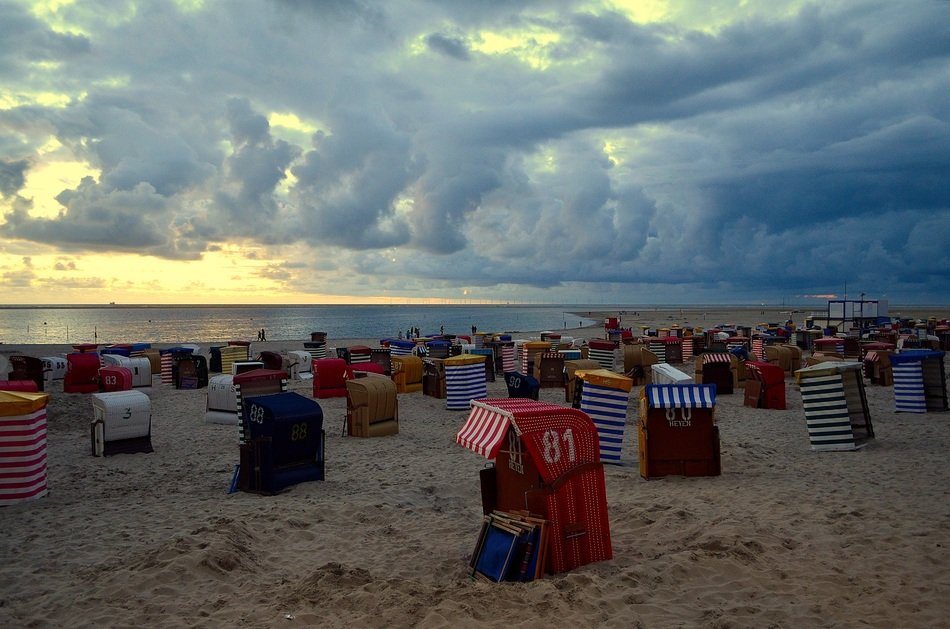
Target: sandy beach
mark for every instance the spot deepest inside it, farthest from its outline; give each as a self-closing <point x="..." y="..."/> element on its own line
<point x="785" y="537"/>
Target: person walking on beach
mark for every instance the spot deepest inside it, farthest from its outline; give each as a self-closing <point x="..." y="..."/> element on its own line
<point x="263" y="335"/>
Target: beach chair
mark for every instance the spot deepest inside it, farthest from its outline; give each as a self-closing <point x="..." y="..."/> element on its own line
<point x="27" y="368"/>
<point x="299" y="365"/>
<point x="82" y="373"/>
<point x="571" y="367"/>
<point x="407" y="373"/>
<point x="433" y="377"/>
<point x="676" y="432"/>
<point x="464" y="381"/>
<point x="114" y="378"/>
<point x="522" y="386"/>
<point x="330" y="376"/>
<point x="382" y="356"/>
<point x="190" y="371"/>
<point x="836" y="409"/>
<point x="23" y="445"/>
<point x="766" y="386"/>
<point x="637" y="363"/>
<point x="372" y="407"/>
<point x="286" y="442"/>
<point x="549" y="370"/>
<point x="920" y="382"/>
<point x="546" y="462"/>
<point x="718" y="368"/>
<point x="877" y="367"/>
<point x="271" y="360"/>
<point x="122" y="422"/>
<point x="603" y="395"/>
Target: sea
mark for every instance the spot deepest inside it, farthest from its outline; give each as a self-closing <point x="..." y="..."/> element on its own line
<point x="182" y="324"/>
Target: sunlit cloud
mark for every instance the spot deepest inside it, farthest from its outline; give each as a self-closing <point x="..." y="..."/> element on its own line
<point x="573" y="150"/>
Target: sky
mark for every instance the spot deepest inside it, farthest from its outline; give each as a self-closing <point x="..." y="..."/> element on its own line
<point x="523" y="151"/>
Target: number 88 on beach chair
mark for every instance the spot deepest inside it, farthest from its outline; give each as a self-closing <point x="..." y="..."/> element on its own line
<point x="286" y="444"/>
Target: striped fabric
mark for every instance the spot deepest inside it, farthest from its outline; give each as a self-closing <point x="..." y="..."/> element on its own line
<point x="464" y="382"/>
<point x="909" y="394"/>
<point x="681" y="395"/>
<point x="229" y="355"/>
<point x="717" y="357"/>
<point x="23" y="459"/>
<point x="316" y="349"/>
<point x="826" y="413"/>
<point x="167" y="368"/>
<point x="687" y="349"/>
<point x="484" y="430"/>
<point x="401" y="348"/>
<point x="607" y="407"/>
<point x="360" y="357"/>
<point x="607" y="357"/>
<point x="658" y="347"/>
<point x="736" y="345"/>
<point x="758" y="348"/>
<point x="508" y="358"/>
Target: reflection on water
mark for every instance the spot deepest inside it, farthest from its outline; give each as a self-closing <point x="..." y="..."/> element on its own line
<point x="120" y="324"/>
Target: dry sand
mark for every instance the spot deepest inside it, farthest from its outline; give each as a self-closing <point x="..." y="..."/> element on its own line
<point x="785" y="537"/>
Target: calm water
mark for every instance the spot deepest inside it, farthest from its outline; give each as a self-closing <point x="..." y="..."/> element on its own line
<point x="119" y="324"/>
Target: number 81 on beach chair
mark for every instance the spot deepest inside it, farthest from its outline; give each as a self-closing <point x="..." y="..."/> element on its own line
<point x="547" y="462"/>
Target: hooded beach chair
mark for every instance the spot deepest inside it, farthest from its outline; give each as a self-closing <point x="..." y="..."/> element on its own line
<point x="407" y="373"/>
<point x="765" y="387"/>
<point x="372" y="407"/>
<point x="549" y="370"/>
<point x="521" y="386"/>
<point x="23" y="445"/>
<point x="677" y="433"/>
<point x="330" y="376"/>
<point x="26" y="368"/>
<point x="286" y="442"/>
<point x="835" y="405"/>
<point x="571" y="367"/>
<point x="547" y="461"/>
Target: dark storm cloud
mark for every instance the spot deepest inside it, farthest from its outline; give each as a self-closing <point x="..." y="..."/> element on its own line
<point x="615" y="157"/>
<point x="451" y="46"/>
<point x="12" y="175"/>
<point x="122" y="220"/>
<point x="25" y="41"/>
<point x="256" y="166"/>
<point x="349" y="183"/>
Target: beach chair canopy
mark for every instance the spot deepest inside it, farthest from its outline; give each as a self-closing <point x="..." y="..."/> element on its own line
<point x="557" y="437"/>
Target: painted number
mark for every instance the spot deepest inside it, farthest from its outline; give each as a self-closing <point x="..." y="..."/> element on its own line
<point x="298" y="432"/>
<point x="256" y="414"/>
<point x="552" y="440"/>
<point x="112" y="381"/>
